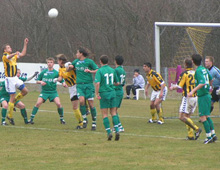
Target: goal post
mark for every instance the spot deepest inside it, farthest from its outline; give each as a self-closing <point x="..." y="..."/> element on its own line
<point x="157" y="26"/>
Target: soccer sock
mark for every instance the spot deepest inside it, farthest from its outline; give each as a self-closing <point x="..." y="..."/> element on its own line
<point x="93" y="113"/>
<point x="190" y="123"/>
<point x="60" y="111"/>
<point x="153" y="114"/>
<point x="160" y="115"/>
<point x="4" y="112"/>
<point x="207" y="129"/>
<point x="19" y="96"/>
<point x="211" y="125"/>
<point x="107" y="125"/>
<point x="78" y="116"/>
<point x="83" y="112"/>
<point x="24" y="115"/>
<point x="115" y="122"/>
<point x="119" y="122"/>
<point x="190" y="131"/>
<point x="10" y="110"/>
<point x="34" y="112"/>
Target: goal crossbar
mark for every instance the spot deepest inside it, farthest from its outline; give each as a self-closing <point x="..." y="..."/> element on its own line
<point x="157" y="26"/>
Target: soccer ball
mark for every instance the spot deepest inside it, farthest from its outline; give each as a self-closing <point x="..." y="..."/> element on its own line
<point x="53" y="13"/>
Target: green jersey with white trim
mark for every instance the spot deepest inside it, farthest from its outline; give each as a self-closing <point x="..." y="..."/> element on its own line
<point x="121" y="77"/>
<point x="202" y="76"/>
<point x="106" y="76"/>
<point x="47" y="77"/>
<point x="80" y="66"/>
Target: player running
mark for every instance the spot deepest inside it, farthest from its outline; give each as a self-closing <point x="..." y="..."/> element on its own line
<point x="187" y="83"/>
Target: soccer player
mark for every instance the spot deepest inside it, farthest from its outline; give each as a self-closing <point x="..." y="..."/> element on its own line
<point x="215" y="73"/>
<point x="104" y="88"/>
<point x="158" y="94"/>
<point x="24" y="79"/>
<point x="70" y="80"/>
<point x="203" y="81"/>
<point x="85" y="68"/>
<point x="12" y="81"/>
<point x="187" y="83"/>
<point x="48" y="90"/>
<point x="120" y="72"/>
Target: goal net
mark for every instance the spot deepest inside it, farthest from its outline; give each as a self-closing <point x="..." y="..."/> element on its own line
<point x="176" y="41"/>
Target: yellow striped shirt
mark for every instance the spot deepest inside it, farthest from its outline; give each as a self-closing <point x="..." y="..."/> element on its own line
<point x="10" y="65"/>
<point x="155" y="80"/>
<point x="69" y="77"/>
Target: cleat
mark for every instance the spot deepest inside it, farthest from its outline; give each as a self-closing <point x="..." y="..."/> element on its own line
<point x="214" y="138"/>
<point x="151" y="121"/>
<point x="93" y="127"/>
<point x="190" y="138"/>
<point x="127" y="97"/>
<point x="79" y="127"/>
<point x="31" y="122"/>
<point x="62" y="122"/>
<point x="109" y="136"/>
<point x="160" y="122"/>
<point x="11" y="120"/>
<point x="197" y="134"/>
<point x="207" y="141"/>
<point x="134" y="98"/>
<point x="85" y="122"/>
<point x="117" y="136"/>
<point x="4" y="123"/>
<point x="121" y="129"/>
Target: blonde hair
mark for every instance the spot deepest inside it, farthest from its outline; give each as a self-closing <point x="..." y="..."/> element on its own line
<point x="210" y="58"/>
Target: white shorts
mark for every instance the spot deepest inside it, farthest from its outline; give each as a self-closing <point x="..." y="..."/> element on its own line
<point x="13" y="83"/>
<point x="155" y="94"/>
<point x="72" y="91"/>
<point x="188" y="105"/>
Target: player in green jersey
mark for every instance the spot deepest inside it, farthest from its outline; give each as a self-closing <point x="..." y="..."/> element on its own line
<point x="85" y="68"/>
<point x="203" y="80"/>
<point x="48" y="90"/>
<point x="104" y="88"/>
<point x="119" y="89"/>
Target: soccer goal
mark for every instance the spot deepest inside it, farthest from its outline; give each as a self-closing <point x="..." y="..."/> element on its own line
<point x="174" y="41"/>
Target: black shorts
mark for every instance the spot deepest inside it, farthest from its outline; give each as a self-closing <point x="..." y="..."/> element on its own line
<point x="215" y="97"/>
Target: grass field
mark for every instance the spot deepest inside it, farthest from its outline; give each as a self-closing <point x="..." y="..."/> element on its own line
<point x="48" y="145"/>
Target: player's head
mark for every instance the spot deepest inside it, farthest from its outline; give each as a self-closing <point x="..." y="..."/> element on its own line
<point x="209" y="60"/>
<point x="104" y="59"/>
<point x="197" y="59"/>
<point x="147" y="67"/>
<point x="81" y="52"/>
<point x="6" y="48"/>
<point x="61" y="59"/>
<point x="18" y="72"/>
<point x="188" y="63"/>
<point x="50" y="62"/>
<point x="119" y="60"/>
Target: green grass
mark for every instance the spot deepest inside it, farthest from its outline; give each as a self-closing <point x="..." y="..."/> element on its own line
<point x="49" y="145"/>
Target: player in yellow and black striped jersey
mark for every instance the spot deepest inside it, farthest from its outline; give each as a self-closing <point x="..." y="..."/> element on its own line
<point x="70" y="80"/>
<point x="158" y="94"/>
<point x="12" y="81"/>
<point x="187" y="83"/>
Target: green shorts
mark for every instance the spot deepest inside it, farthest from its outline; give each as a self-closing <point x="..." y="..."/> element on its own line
<point x="50" y="96"/>
<point x="108" y="100"/>
<point x="86" y="90"/>
<point x="204" y="103"/>
<point x="6" y="99"/>
<point x="119" y="97"/>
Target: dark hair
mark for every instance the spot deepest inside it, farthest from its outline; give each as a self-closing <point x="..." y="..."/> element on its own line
<point x="104" y="59"/>
<point x="119" y="59"/>
<point x="188" y="63"/>
<point x="83" y="51"/>
<point x="62" y="57"/>
<point x="137" y="70"/>
<point x="4" y="46"/>
<point x="197" y="59"/>
<point x="148" y="64"/>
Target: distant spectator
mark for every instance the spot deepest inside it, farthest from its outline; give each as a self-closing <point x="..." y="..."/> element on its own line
<point x="138" y="83"/>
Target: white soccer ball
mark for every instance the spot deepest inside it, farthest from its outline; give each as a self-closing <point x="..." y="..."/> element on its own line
<point x="53" y="13"/>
